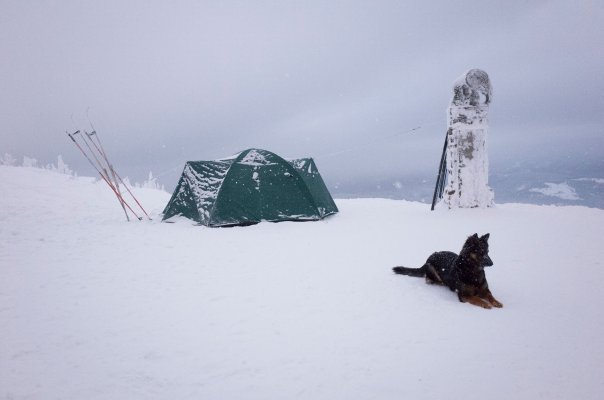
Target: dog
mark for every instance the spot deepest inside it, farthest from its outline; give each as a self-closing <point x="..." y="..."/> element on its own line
<point x="463" y="273"/>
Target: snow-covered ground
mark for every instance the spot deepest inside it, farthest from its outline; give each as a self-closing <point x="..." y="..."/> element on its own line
<point x="93" y="307"/>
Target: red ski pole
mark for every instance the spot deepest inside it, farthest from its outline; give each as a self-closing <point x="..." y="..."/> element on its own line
<point x="120" y="199"/>
<point x="101" y="151"/>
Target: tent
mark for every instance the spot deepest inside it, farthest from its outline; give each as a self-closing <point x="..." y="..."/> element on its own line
<point x="252" y="186"/>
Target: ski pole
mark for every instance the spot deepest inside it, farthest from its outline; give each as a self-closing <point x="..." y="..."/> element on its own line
<point x="101" y="174"/>
<point x="102" y="152"/>
<point x="109" y="177"/>
<point x="105" y="178"/>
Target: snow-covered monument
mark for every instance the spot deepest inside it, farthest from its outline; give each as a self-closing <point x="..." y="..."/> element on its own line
<point x="464" y="171"/>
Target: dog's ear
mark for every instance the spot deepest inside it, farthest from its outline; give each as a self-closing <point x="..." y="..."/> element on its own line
<point x="486" y="237"/>
<point x="474" y="236"/>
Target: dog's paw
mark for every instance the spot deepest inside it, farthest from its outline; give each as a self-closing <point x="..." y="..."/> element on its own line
<point x="494" y="302"/>
<point x="484" y="305"/>
<point x="477" y="301"/>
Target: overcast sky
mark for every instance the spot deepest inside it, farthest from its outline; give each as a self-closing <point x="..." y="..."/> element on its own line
<point x="341" y="81"/>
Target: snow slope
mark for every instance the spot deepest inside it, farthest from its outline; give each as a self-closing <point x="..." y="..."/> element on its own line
<point x="93" y="307"/>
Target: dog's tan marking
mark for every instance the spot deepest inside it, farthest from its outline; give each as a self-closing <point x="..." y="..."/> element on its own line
<point x="477" y="301"/>
<point x="494" y="302"/>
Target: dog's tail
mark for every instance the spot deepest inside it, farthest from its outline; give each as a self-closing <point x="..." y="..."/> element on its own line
<point x="418" y="272"/>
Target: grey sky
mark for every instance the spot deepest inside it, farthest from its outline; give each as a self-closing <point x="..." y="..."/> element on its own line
<point x="342" y="81"/>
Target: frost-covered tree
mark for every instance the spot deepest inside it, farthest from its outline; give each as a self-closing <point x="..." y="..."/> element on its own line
<point x="62" y="166"/>
<point x="30" y="162"/>
<point x="8" y="159"/>
<point x="151" y="183"/>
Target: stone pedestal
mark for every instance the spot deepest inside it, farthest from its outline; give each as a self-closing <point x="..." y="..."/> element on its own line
<point x="467" y="162"/>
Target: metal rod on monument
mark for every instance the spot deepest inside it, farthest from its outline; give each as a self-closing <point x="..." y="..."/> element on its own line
<point x="440" y="179"/>
<point x="71" y="136"/>
<point x="101" y="151"/>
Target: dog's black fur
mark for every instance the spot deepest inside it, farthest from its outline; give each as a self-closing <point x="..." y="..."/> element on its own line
<point x="463" y="273"/>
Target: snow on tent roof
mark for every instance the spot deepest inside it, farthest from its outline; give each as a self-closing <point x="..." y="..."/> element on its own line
<point x="252" y="186"/>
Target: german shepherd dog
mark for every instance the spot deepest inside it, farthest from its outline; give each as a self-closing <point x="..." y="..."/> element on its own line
<point x="463" y="273"/>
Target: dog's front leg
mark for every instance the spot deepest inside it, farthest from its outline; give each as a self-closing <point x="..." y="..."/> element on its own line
<point x="475" y="300"/>
<point x="494" y="302"/>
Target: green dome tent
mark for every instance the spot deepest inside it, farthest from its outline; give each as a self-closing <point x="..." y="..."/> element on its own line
<point x="252" y="186"/>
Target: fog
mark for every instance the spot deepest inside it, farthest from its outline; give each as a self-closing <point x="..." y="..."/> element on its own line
<point x="361" y="86"/>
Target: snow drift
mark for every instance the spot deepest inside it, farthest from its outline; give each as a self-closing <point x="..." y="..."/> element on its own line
<point x="93" y="307"/>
